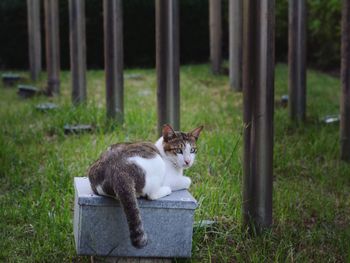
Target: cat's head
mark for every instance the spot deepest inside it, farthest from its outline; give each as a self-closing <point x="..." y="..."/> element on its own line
<point x="180" y="147"/>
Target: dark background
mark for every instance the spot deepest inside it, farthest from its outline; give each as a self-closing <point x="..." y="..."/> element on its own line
<point x="139" y="33"/>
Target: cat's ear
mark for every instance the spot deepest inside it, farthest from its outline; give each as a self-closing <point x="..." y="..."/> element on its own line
<point x="195" y="133"/>
<point x="168" y="132"/>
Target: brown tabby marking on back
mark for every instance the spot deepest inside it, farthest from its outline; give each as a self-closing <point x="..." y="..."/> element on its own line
<point x="143" y="149"/>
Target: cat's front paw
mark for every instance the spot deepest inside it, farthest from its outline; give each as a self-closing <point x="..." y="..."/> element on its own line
<point x="186" y="182"/>
<point x="181" y="183"/>
<point x="159" y="193"/>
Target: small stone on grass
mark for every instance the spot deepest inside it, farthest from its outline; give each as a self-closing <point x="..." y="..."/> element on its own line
<point x="75" y="129"/>
<point x="26" y="91"/>
<point x="134" y="76"/>
<point x="204" y="224"/>
<point x="329" y="119"/>
<point x="46" y="106"/>
<point x="284" y="101"/>
<point x="9" y="79"/>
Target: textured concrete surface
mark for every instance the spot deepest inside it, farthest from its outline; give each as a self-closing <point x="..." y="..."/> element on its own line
<point x="100" y="226"/>
<point x="96" y="259"/>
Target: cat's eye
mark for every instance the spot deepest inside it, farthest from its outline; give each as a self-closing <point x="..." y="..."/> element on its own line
<point x="193" y="150"/>
<point x="179" y="151"/>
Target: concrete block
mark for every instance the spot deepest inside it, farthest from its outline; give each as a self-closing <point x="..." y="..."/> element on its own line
<point x="27" y="91"/>
<point x="100" y="227"/>
<point x="9" y="79"/>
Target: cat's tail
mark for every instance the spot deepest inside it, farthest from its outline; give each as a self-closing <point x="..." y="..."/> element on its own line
<point x="125" y="190"/>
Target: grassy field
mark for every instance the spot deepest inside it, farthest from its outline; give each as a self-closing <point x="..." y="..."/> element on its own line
<point x="311" y="186"/>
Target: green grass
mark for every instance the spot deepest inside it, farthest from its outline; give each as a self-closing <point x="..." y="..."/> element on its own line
<point x="311" y="186"/>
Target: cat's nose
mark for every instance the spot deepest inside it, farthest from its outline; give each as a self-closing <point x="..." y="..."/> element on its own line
<point x="187" y="162"/>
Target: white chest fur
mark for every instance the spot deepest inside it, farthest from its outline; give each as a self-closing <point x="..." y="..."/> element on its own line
<point x="154" y="169"/>
<point x="173" y="175"/>
<point x="161" y="175"/>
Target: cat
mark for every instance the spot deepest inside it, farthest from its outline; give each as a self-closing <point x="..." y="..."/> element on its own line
<point x="130" y="170"/>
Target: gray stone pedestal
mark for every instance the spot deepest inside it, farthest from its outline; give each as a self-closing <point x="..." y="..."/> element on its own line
<point x="100" y="227"/>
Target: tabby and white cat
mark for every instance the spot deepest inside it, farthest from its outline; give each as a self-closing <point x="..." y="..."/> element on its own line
<point x="130" y="170"/>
